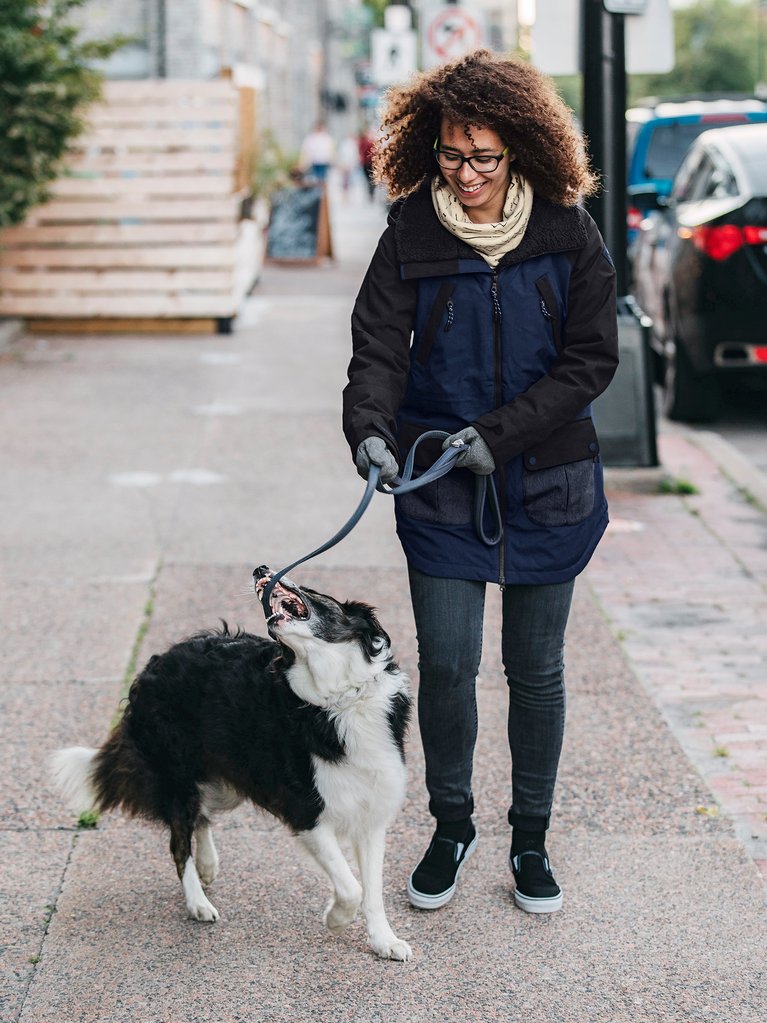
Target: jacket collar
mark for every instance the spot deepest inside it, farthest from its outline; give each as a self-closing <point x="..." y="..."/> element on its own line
<point x="421" y="238"/>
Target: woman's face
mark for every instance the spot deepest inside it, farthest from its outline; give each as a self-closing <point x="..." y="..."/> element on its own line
<point x="482" y="193"/>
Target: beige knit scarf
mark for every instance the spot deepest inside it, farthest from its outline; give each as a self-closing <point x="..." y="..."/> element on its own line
<point x="491" y="241"/>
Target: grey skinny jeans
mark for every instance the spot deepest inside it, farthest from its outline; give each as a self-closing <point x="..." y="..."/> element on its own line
<point x="449" y="617"/>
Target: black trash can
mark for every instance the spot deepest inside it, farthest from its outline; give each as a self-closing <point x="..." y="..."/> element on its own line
<point x="625" y="413"/>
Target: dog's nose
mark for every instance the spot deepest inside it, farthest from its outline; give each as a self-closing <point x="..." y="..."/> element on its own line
<point x="261" y="572"/>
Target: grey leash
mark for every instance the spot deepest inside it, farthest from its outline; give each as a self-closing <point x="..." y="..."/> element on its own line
<point x="404" y="484"/>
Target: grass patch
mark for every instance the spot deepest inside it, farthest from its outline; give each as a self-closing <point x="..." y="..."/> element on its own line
<point x="707" y="811"/>
<point x="677" y="485"/>
<point x="88" y="819"/>
<point x="130" y="670"/>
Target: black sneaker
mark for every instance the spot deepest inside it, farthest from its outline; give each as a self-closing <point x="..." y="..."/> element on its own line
<point x="536" y="891"/>
<point x="432" y="884"/>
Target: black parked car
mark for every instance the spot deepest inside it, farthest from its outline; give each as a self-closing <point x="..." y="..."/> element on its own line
<point x="700" y="270"/>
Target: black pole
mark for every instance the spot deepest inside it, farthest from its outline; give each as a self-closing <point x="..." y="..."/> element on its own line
<point x="616" y="198"/>
<point x="604" y="124"/>
<point x="592" y="46"/>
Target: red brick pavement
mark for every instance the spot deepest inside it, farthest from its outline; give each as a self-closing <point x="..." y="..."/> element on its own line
<point x="683" y="581"/>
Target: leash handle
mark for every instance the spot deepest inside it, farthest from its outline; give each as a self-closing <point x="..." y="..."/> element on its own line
<point x="405" y="483"/>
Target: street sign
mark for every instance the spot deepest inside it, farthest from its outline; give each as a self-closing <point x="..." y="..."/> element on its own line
<point x="448" y="33"/>
<point x="393" y="56"/>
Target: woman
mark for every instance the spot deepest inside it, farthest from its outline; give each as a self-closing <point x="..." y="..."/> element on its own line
<point x="506" y="288"/>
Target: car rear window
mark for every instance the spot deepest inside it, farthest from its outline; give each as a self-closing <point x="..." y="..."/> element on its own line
<point x="669" y="143"/>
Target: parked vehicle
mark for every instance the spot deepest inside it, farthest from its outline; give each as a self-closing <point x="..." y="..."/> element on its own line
<point x="701" y="270"/>
<point x="659" y="133"/>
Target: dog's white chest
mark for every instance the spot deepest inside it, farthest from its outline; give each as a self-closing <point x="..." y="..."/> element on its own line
<point x="355" y="791"/>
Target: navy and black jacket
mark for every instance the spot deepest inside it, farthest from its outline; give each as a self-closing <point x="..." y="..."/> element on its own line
<point x="442" y="341"/>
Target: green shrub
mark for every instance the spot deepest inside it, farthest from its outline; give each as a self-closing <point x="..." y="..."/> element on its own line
<point x="45" y="84"/>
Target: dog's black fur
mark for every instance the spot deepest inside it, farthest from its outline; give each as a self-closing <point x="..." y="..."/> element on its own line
<point x="215" y="720"/>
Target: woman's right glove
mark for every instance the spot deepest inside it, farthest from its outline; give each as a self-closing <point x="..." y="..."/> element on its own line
<point x="373" y="451"/>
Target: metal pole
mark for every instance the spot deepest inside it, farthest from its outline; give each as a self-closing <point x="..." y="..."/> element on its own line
<point x="592" y="48"/>
<point x="616" y="197"/>
<point x="604" y="119"/>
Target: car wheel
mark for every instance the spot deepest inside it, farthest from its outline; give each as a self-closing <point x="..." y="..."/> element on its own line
<point x="689" y="396"/>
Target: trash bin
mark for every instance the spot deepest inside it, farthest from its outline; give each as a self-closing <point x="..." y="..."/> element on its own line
<point x="625" y="413"/>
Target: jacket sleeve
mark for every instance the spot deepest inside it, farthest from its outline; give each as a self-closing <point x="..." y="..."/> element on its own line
<point x="580" y="373"/>
<point x="382" y="324"/>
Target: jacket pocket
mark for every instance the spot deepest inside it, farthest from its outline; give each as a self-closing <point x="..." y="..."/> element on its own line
<point x="448" y="501"/>
<point x="443" y="305"/>
<point x="558" y="475"/>
<point x="550" y="309"/>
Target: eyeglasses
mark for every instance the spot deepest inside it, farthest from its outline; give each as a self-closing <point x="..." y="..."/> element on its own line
<point x="481" y="163"/>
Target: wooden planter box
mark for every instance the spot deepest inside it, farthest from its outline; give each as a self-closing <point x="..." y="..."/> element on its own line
<point x="145" y="231"/>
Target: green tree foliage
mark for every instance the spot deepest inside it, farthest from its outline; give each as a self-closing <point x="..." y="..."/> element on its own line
<point x="716" y="43"/>
<point x="46" y="81"/>
<point x="377" y="7"/>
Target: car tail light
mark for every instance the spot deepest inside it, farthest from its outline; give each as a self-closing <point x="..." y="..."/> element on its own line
<point x="760" y="353"/>
<point x="718" y="243"/>
<point x="721" y="242"/>
<point x="634" y="218"/>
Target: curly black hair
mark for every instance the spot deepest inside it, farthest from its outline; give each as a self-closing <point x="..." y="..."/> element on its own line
<point x="484" y="90"/>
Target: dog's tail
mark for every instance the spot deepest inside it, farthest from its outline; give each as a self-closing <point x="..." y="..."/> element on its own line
<point x="72" y="771"/>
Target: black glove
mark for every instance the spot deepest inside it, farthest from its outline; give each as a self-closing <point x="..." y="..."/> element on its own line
<point x="373" y="451"/>
<point x="474" y="452"/>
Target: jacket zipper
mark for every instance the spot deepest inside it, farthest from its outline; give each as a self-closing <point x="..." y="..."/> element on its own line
<point x="548" y="303"/>
<point x="442" y="302"/>
<point x="498" y="401"/>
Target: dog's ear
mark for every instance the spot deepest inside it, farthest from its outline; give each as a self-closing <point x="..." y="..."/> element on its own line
<point x="367" y="629"/>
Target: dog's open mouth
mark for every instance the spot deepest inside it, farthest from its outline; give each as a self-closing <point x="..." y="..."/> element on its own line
<point x="285" y="603"/>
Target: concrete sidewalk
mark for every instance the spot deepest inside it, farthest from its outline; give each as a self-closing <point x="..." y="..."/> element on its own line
<point x="143" y="478"/>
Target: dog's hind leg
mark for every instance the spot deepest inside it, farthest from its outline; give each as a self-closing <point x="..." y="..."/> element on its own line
<point x="369" y="848"/>
<point x="322" y="844"/>
<point x="197" y="904"/>
<point x="205" y="854"/>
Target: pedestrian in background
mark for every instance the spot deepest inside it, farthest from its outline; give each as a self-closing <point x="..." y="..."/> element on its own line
<point x="348" y="161"/>
<point x="508" y="291"/>
<point x="317" y="152"/>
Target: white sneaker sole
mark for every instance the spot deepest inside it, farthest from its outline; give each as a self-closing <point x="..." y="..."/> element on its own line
<point x="422" y="901"/>
<point x="529" y="905"/>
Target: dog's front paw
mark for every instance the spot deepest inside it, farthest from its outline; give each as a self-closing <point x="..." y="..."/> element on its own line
<point x="203" y="910"/>
<point x="338" y="915"/>
<point x="392" y="948"/>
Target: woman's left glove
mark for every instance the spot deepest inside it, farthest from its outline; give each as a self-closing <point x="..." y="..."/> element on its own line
<point x="474" y="453"/>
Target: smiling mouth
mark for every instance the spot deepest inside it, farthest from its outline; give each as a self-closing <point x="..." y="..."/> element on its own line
<point x="284" y="603"/>
<point x="470" y="191"/>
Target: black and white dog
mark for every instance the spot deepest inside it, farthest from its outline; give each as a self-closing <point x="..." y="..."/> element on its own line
<point x="309" y="725"/>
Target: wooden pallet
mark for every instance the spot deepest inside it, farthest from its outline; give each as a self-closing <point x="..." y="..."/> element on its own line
<point x="146" y="225"/>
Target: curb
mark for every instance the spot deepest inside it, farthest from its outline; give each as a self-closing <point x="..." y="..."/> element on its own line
<point x="732" y="463"/>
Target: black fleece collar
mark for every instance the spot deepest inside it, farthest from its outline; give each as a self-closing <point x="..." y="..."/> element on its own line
<point x="421" y="238"/>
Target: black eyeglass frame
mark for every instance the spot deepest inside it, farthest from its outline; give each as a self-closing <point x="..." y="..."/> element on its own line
<point x="468" y="159"/>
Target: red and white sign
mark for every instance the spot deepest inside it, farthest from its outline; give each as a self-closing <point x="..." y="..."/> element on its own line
<point x="447" y="33"/>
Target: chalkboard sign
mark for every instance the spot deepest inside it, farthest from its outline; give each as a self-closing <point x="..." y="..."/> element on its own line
<point x="299" y="228"/>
